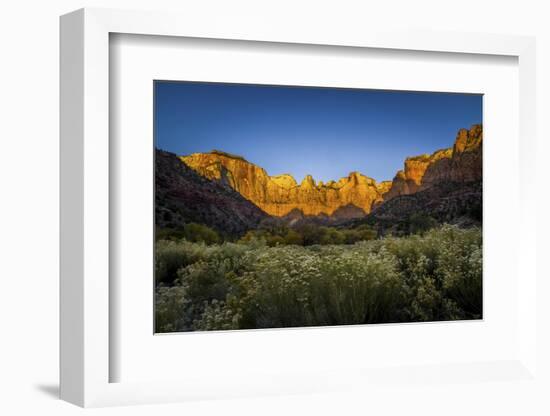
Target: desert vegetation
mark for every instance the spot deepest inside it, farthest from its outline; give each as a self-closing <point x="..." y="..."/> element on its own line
<point x="237" y="248"/>
<point x="312" y="275"/>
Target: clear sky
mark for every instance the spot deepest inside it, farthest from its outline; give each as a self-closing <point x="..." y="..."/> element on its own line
<point x="325" y="132"/>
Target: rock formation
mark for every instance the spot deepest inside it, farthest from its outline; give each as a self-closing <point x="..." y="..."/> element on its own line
<point x="446" y="186"/>
<point x="461" y="163"/>
<point x="182" y="196"/>
<point x="353" y="196"/>
<point x="279" y="195"/>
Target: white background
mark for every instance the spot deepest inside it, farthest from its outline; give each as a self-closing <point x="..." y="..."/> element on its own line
<point x="29" y="208"/>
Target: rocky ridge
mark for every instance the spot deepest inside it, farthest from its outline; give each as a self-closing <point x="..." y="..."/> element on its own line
<point x="460" y="163"/>
<point x="279" y="195"/>
<point x="353" y="196"/>
<point x="182" y="196"/>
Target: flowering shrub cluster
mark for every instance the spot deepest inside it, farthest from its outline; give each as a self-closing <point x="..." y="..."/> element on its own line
<point x="430" y="277"/>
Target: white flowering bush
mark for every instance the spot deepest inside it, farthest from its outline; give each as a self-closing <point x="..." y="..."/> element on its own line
<point x="434" y="276"/>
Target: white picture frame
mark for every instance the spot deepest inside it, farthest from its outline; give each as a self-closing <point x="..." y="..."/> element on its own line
<point x="85" y="214"/>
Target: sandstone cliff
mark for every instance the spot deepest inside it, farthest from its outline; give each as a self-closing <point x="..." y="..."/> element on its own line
<point x="279" y="195"/>
<point x="461" y="163"/>
<point x="351" y="196"/>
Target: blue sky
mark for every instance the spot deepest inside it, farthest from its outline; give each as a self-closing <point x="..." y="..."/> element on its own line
<point x="325" y="132"/>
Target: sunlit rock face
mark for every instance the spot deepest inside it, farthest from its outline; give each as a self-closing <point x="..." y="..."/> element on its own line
<point x="461" y="163"/>
<point x="279" y="195"/>
<point x="352" y="196"/>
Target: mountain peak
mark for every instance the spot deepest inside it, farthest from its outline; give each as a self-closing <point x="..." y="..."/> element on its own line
<point x="229" y="155"/>
<point x="308" y="182"/>
<point x="468" y="140"/>
<point x="460" y="163"/>
<point x="285" y="180"/>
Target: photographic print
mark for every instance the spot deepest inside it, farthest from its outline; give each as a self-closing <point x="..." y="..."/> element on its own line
<point x="291" y="206"/>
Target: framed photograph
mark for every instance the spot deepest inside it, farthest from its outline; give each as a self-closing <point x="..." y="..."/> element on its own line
<point x="268" y="211"/>
<point x="238" y="248"/>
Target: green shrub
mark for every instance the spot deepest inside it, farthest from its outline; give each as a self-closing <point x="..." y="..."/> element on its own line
<point x="200" y="233"/>
<point x="171" y="309"/>
<point x="292" y="237"/>
<point x="263" y="282"/>
<point x="173" y="234"/>
<point x="420" y="223"/>
<point x="308" y="234"/>
<point x="171" y="256"/>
